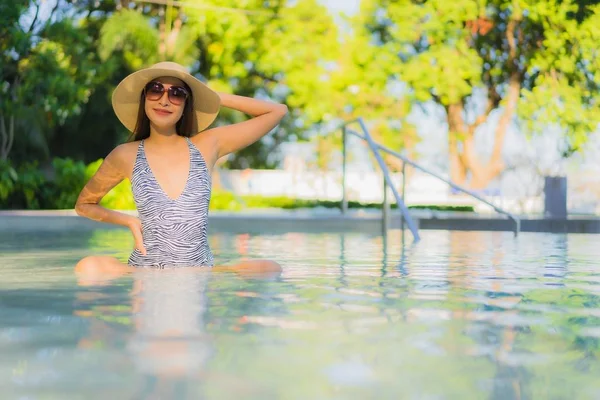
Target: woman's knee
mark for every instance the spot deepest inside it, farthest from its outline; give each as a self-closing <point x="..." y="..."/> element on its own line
<point x="90" y="264"/>
<point x="100" y="264"/>
<point x="98" y="270"/>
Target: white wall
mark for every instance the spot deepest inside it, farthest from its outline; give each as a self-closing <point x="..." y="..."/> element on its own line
<point x="363" y="187"/>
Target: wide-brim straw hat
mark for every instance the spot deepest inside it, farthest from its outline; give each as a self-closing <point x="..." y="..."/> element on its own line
<point x="126" y="96"/>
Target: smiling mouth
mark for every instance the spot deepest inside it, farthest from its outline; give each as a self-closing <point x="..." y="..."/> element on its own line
<point x="162" y="112"/>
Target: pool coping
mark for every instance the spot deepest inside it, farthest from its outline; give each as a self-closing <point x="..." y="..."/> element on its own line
<point x="309" y="220"/>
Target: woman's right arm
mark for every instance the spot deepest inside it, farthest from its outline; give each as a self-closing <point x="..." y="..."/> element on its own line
<point x="110" y="173"/>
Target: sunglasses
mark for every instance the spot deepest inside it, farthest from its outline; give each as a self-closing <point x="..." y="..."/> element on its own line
<point x="155" y="90"/>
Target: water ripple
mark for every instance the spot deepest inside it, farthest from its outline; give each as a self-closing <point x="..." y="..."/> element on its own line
<point x="483" y="315"/>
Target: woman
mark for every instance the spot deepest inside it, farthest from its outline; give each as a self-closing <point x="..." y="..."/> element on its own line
<point x="169" y="166"/>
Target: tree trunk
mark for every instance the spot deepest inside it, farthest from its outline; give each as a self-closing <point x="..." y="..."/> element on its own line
<point x="483" y="174"/>
<point x="162" y="39"/>
<point x="456" y="129"/>
<point x="468" y="160"/>
<point x="464" y="159"/>
<point x="171" y="38"/>
<point x="4" y="138"/>
<point x="8" y="136"/>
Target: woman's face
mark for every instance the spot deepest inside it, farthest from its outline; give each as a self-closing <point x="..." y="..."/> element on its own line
<point x="164" y="112"/>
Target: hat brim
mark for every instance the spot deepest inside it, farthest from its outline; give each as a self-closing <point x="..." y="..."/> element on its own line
<point x="126" y="97"/>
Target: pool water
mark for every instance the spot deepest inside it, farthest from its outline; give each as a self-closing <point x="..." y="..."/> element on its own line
<point x="460" y="315"/>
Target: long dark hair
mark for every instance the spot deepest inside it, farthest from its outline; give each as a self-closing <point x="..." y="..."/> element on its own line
<point x="184" y="127"/>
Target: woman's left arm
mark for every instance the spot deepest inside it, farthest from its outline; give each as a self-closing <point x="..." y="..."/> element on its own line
<point x="231" y="138"/>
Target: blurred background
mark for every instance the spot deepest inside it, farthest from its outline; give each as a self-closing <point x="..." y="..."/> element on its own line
<point x="496" y="95"/>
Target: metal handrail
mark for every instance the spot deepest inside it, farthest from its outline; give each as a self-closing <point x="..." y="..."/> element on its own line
<point x="376" y="147"/>
<point x="387" y="182"/>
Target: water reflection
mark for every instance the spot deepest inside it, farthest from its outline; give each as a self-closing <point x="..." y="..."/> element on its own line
<point x="482" y="315"/>
<point x="167" y="342"/>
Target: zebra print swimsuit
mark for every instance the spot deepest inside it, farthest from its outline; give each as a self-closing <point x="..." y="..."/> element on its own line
<point x="174" y="231"/>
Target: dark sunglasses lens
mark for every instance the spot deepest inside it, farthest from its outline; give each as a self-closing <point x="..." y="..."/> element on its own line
<point x="177" y="95"/>
<point x="154" y="90"/>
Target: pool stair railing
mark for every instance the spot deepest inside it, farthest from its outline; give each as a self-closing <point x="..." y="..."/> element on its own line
<point x="406" y="218"/>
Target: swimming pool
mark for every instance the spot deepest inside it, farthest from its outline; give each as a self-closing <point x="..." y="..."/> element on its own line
<point x="460" y="315"/>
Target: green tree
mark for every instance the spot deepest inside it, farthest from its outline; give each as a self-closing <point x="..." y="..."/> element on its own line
<point x="277" y="49"/>
<point x="147" y="39"/>
<point x="363" y="84"/>
<point x="533" y="60"/>
<point x="43" y="81"/>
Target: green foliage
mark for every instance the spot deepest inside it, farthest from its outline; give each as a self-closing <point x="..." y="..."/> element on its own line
<point x="226" y="201"/>
<point x="44" y="80"/>
<point x="138" y="43"/>
<point x="30" y="187"/>
<point x="435" y="207"/>
<point x="298" y="45"/>
<point x="566" y="91"/>
<point x="279" y="49"/>
<point x="8" y="179"/>
<point x="68" y="181"/>
<point x="92" y="130"/>
<point x="448" y="49"/>
<point x="362" y="82"/>
<point x="13" y="37"/>
<point x="431" y="39"/>
<point x="222" y="200"/>
<point x="50" y="83"/>
<point x="27" y="187"/>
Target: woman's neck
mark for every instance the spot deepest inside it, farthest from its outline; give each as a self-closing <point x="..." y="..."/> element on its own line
<point x="164" y="135"/>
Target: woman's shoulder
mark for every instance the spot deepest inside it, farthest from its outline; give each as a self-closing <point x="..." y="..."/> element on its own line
<point x="124" y="155"/>
<point x="125" y="150"/>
